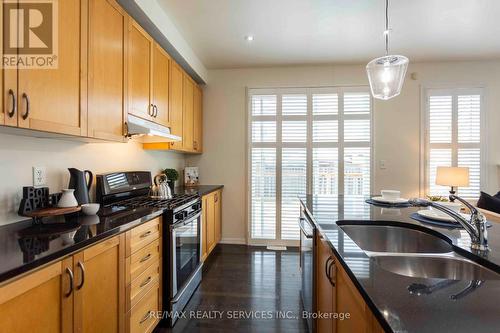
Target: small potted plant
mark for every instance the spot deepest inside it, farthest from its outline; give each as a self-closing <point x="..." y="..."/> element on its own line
<point x="172" y="176"/>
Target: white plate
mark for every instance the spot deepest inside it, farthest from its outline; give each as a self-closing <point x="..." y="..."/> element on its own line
<point x="438" y="216"/>
<point x="390" y="201"/>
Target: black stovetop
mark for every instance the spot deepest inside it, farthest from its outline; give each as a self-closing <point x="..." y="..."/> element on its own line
<point x="177" y="200"/>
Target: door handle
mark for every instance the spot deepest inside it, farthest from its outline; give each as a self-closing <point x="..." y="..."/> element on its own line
<point x="82" y="269"/>
<point x="302" y="220"/>
<point x="146" y="258"/>
<point x="151" y="110"/>
<point x="27" y="113"/>
<point x="71" y="278"/>
<point x="329" y="269"/>
<point x="155" y="111"/>
<point x="145" y="282"/>
<point x="14" y="104"/>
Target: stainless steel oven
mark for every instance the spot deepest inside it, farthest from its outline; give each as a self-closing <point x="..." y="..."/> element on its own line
<point x="184" y="254"/>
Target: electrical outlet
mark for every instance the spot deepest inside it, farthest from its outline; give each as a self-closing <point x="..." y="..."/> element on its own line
<point x="39" y="176"/>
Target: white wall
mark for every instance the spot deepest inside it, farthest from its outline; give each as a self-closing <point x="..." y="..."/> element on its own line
<point x="396" y="125"/>
<point x="18" y="154"/>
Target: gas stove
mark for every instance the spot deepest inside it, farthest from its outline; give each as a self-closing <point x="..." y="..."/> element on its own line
<point x="176" y="201"/>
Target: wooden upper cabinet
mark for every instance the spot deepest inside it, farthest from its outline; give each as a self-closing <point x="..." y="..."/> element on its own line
<point x="108" y="25"/>
<point x="188" y="114"/>
<point x="198" y="119"/>
<point x="43" y="298"/>
<point x="175" y="102"/>
<point x="100" y="287"/>
<point x="140" y="57"/>
<point x="161" y="69"/>
<point x="54" y="100"/>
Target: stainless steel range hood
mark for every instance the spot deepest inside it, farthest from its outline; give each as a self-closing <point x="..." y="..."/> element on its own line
<point x="148" y="131"/>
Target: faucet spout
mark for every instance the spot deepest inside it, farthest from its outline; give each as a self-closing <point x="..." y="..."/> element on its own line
<point x="476" y="227"/>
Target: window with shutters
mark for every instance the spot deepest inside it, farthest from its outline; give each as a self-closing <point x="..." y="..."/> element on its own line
<point x="453" y="135"/>
<point x="305" y="141"/>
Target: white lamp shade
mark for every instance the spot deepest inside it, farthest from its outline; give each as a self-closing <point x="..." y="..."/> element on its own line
<point x="386" y="75"/>
<point x="452" y="176"/>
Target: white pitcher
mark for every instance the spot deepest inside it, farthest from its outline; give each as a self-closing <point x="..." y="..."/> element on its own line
<point x="67" y="199"/>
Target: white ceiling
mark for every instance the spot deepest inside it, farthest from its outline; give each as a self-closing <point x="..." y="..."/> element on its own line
<point x="290" y="32"/>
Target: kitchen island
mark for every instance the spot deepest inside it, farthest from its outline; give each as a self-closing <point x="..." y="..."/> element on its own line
<point x="402" y="303"/>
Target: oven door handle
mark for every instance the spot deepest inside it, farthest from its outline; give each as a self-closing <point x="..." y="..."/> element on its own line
<point x="302" y="220"/>
<point x="183" y="223"/>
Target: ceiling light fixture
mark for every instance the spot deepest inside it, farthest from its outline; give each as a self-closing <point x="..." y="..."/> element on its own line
<point x="249" y="38"/>
<point x="387" y="74"/>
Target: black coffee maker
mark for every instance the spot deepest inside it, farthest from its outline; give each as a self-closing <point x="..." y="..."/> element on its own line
<point x="81" y="181"/>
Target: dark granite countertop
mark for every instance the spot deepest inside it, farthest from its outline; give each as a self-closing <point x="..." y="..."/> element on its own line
<point x="24" y="246"/>
<point x="387" y="293"/>
<point x="200" y="189"/>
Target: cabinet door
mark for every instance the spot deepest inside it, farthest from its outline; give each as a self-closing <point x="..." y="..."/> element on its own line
<point x="39" y="302"/>
<point x="175" y="102"/>
<point x="187" y="114"/>
<point x="100" y="287"/>
<point x="325" y="291"/>
<point x="140" y="49"/>
<point x="350" y="301"/>
<point x="198" y="119"/>
<point x="217" y="218"/>
<point x="106" y="104"/>
<point x="161" y="67"/>
<point x="204" y="220"/>
<point x="210" y="222"/>
<point x="54" y="100"/>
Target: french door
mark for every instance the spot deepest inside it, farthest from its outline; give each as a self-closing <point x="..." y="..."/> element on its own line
<point x="304" y="141"/>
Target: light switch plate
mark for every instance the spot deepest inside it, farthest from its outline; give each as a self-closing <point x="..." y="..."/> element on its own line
<point x="39" y="176"/>
<point x="382" y="164"/>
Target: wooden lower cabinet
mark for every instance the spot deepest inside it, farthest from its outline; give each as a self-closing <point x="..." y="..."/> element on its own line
<point x="112" y="286"/>
<point x="211" y="222"/>
<point x="99" y="303"/>
<point x="39" y="302"/>
<point x="335" y="293"/>
<point x="143" y="276"/>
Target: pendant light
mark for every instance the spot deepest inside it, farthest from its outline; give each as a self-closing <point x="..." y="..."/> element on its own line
<point x="387" y="74"/>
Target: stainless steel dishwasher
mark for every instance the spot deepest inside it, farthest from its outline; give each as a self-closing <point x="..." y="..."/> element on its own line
<point x="307" y="232"/>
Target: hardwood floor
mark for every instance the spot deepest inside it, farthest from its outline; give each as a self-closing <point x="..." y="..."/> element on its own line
<point x="240" y="281"/>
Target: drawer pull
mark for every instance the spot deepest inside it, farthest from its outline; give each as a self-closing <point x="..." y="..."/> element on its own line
<point x="146" y="234"/>
<point x="146" y="258"/>
<point x="146" y="317"/>
<point x="145" y="282"/>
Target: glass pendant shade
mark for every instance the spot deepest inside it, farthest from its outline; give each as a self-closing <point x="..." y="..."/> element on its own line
<point x="386" y="75"/>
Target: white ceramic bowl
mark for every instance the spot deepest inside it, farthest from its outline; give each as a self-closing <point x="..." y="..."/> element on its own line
<point x="390" y="194"/>
<point x="90" y="209"/>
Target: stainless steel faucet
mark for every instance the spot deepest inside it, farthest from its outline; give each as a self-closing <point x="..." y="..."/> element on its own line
<point x="476" y="227"/>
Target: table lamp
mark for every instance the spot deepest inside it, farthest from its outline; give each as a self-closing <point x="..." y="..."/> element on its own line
<point x="453" y="177"/>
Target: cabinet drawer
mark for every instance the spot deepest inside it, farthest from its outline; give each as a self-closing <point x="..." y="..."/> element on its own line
<point x="144" y="234"/>
<point x="140" y="285"/>
<point x="143" y="258"/>
<point x="141" y="319"/>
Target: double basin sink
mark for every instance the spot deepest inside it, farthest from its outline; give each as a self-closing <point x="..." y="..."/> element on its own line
<point x="414" y="253"/>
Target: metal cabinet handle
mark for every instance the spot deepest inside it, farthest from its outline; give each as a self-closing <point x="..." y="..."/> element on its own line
<point x="71" y="278"/>
<point x="146" y="258"/>
<point x="150" y="110"/>
<point x="155" y="111"/>
<point x="146" y="317"/>
<point x="82" y="269"/>
<point x="326" y="267"/>
<point x="14" y="104"/>
<point x="145" y="282"/>
<point x="27" y="99"/>
<point x="146" y="234"/>
<point x="329" y="269"/>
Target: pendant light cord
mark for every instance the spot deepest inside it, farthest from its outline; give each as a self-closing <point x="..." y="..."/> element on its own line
<point x="386" y="27"/>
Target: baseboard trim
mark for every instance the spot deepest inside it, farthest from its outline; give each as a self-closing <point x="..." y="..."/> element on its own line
<point x="237" y="241"/>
